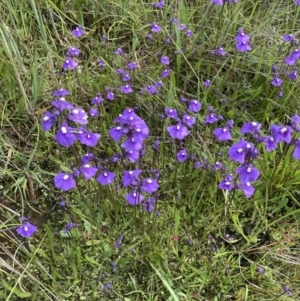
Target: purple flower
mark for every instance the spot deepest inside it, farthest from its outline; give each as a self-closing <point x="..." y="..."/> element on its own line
<point x="26" y="229"/>
<point x="126" y="77"/>
<point x="132" y="155"/>
<point x="293" y="57"/>
<point x="286" y="288"/>
<point x="141" y="132"/>
<point x="222" y="134"/>
<point x="116" y="133"/>
<point x="296" y="153"/>
<point x="243" y="46"/>
<point x="260" y="270"/>
<point x="62" y="203"/>
<point x="181" y="26"/>
<point x="211" y="118"/>
<point x="295" y="121"/>
<point x="126" y="89"/>
<point x="165" y="60"/>
<point x="78" y="115"/>
<point x="156" y="145"/>
<point x="73" y="51"/>
<point x="281" y="133"/>
<point x="194" y="106"/>
<point x="94" y="113"/>
<point x="270" y="143"/>
<point x="172" y="113"/>
<point x="88" y="138"/>
<point x="217" y="2"/>
<point x="61" y="104"/>
<point x="288" y="38"/>
<point x="250" y="127"/>
<point x="227" y="183"/>
<point x="106" y="178"/>
<point x="200" y="165"/>
<point x="217" y="166"/>
<point x="119" y="241"/>
<point x="48" y="120"/>
<point x="119" y="51"/>
<point x="247" y="173"/>
<point x="150" y="205"/>
<point x="293" y="75"/>
<point x="182" y="155"/>
<point x="101" y="63"/>
<point x="132" y="144"/>
<point x="277" y="81"/>
<point x="247" y="188"/>
<point x="207" y="83"/>
<point x="239" y="150"/>
<point x="120" y="71"/>
<point x="178" y="131"/>
<point x="165" y="73"/>
<point x="87" y="158"/>
<point x="297" y="2"/>
<point x="65" y="136"/>
<point x="77" y="32"/>
<point x="69" y="64"/>
<point x="188" y="120"/>
<point x="131" y="177"/>
<point x="151" y="89"/>
<point x="149" y="185"/>
<point x="160" y="4"/>
<point x="64" y="181"/>
<point x="134" y="198"/>
<point x="69" y="226"/>
<point x="230" y="124"/>
<point x="289" y="61"/>
<point x="61" y="92"/>
<point x="158" y="84"/>
<point x="97" y="100"/>
<point x="241" y="37"/>
<point x="155" y="28"/>
<point x="110" y="95"/>
<point x="188" y="33"/>
<point x="114" y="266"/>
<point x="88" y="171"/>
<point x="132" y="65"/>
<point x="219" y="51"/>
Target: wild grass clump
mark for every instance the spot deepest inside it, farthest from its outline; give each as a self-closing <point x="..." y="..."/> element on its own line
<point x="173" y="134"/>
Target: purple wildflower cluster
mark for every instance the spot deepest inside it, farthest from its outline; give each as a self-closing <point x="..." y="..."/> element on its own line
<point x="130" y="132"/>
<point x="244" y="152"/>
<point x="134" y="130"/>
<point x="287" y="69"/>
<point x="67" y="133"/>
<point x="181" y="129"/>
<point x="242" y="41"/>
<point x="69" y="62"/>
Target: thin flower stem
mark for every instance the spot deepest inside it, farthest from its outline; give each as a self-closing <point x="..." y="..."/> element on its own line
<point x="218" y="31"/>
<point x="286" y="147"/>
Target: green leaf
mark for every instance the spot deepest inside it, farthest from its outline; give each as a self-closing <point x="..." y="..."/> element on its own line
<point x="16" y="291"/>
